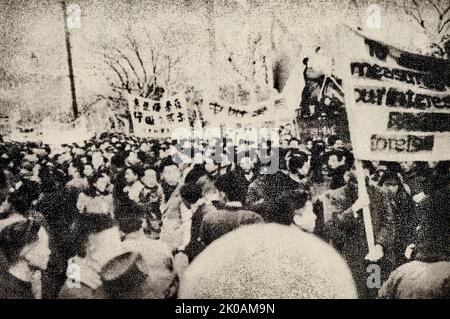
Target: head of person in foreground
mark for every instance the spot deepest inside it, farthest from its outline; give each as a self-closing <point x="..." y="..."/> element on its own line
<point x="268" y="261"/>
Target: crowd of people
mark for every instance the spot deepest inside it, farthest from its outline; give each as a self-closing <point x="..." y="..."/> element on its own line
<point x="120" y="216"/>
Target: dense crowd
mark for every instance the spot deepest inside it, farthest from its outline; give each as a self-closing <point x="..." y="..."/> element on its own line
<point x="123" y="217"/>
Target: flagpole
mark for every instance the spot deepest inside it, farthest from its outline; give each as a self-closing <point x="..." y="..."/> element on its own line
<point x="362" y="193"/>
<point x="69" y="60"/>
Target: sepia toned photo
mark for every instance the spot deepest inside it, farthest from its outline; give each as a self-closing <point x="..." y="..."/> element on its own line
<point x="224" y="149"/>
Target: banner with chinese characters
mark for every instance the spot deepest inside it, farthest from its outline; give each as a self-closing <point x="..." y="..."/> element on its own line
<point x="257" y="115"/>
<point x="157" y="118"/>
<point x="397" y="102"/>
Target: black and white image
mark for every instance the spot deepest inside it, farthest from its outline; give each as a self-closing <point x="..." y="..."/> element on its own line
<point x="224" y="149"/>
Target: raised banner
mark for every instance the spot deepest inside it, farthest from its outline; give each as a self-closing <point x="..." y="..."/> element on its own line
<point x="157" y="118"/>
<point x="397" y="102"/>
<point x="256" y="115"/>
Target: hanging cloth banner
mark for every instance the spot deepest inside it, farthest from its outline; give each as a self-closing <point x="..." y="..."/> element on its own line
<point x="157" y="119"/>
<point x="259" y="114"/>
<point x="397" y="102"/>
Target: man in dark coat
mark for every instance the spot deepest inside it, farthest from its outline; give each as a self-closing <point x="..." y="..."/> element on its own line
<point x="266" y="187"/>
<point x="402" y="206"/>
<point x="345" y="230"/>
<point x="432" y="234"/>
<point x="244" y="175"/>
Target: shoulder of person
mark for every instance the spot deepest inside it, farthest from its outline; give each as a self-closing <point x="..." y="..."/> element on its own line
<point x="248" y="216"/>
<point x="78" y="291"/>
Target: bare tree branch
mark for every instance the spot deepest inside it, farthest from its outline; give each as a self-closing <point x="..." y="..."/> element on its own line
<point x="414" y="12"/>
<point x="125" y="57"/>
<point x="444" y="25"/>
<point x="125" y="84"/>
<point x="438" y="9"/>
<point x="117" y="62"/>
<point x="138" y="55"/>
<point x="445" y="11"/>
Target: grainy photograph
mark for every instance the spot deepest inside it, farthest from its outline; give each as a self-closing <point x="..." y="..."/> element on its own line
<point x="224" y="149"/>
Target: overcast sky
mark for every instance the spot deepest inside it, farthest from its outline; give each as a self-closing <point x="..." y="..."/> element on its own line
<point x="32" y="43"/>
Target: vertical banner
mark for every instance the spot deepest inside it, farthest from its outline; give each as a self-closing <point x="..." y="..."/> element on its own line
<point x="397" y="102"/>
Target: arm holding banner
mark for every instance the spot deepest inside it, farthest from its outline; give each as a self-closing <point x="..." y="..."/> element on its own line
<point x="364" y="198"/>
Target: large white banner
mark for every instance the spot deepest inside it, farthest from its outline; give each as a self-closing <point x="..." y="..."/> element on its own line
<point x="262" y="114"/>
<point x="397" y="102"/>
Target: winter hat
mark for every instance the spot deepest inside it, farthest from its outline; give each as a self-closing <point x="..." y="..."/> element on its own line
<point x="268" y="261"/>
<point x="123" y="275"/>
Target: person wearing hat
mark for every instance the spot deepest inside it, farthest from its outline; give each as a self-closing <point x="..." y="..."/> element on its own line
<point x="124" y="277"/>
<point x="24" y="247"/>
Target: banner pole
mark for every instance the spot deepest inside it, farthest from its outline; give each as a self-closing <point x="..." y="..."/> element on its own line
<point x="297" y="133"/>
<point x="362" y="193"/>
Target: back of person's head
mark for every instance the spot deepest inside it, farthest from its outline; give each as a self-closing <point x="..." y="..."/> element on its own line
<point x="51" y="179"/>
<point x="191" y="193"/>
<point x="15" y="236"/>
<point x="195" y="174"/>
<point x="229" y="186"/>
<point x="137" y="169"/>
<point x="168" y="161"/>
<point x="88" y="224"/>
<point x="281" y="210"/>
<point x="394" y="167"/>
<point x="22" y="198"/>
<point x="78" y="165"/>
<point x="296" y="161"/>
<point x="130" y="221"/>
<point x="390" y="178"/>
<point x="118" y="160"/>
<point x="268" y="261"/>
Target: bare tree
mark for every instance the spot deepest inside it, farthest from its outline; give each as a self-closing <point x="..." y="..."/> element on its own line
<point x="145" y="68"/>
<point x="248" y="71"/>
<point x="436" y="26"/>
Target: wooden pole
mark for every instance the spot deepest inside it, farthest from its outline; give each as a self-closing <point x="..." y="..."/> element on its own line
<point x="69" y="60"/>
<point x="362" y="193"/>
